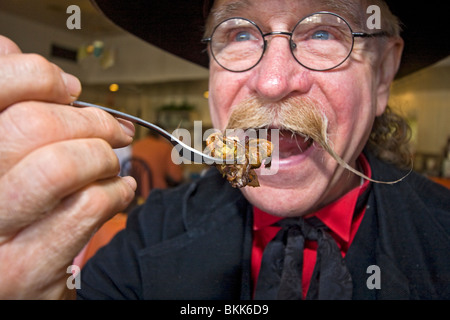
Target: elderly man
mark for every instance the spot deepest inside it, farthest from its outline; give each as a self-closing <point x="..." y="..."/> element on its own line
<point x="313" y="230"/>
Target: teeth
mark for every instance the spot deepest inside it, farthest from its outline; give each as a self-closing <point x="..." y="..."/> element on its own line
<point x="302" y="134"/>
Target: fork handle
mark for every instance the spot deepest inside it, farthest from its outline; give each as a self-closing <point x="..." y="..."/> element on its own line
<point x="184" y="150"/>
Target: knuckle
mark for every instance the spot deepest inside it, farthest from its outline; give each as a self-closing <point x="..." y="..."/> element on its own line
<point x="108" y="126"/>
<point x="104" y="120"/>
<point x="101" y="151"/>
<point x="48" y="75"/>
<point x="81" y="161"/>
<point x="27" y="123"/>
<point x="38" y="65"/>
<point x="52" y="164"/>
<point x="105" y="197"/>
<point x="16" y="119"/>
<point x="94" y="200"/>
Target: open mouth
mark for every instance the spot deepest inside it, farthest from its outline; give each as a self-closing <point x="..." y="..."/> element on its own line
<point x="291" y="144"/>
<point x="244" y="151"/>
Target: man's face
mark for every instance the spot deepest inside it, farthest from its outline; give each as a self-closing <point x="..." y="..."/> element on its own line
<point x="348" y="96"/>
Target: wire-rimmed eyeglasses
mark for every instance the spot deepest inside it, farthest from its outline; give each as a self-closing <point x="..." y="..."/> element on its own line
<point x="320" y="41"/>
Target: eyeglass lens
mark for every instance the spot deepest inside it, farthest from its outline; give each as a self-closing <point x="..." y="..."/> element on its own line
<point x="321" y="41"/>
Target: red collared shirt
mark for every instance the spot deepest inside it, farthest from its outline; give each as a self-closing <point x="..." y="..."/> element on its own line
<point x="339" y="216"/>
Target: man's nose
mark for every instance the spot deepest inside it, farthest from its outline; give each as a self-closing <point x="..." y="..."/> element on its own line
<point x="278" y="74"/>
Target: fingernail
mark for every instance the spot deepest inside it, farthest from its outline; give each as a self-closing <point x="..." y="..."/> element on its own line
<point x="127" y="127"/>
<point x="72" y="83"/>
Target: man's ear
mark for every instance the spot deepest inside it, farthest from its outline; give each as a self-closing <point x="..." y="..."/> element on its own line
<point x="387" y="69"/>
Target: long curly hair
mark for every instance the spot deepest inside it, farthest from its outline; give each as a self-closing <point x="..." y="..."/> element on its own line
<point x="390" y="139"/>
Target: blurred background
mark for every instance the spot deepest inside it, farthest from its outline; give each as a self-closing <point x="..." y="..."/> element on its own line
<point x="120" y="71"/>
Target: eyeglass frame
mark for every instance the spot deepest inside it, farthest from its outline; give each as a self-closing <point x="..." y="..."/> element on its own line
<point x="291" y="42"/>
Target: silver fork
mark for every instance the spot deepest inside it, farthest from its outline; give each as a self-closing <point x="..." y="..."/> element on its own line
<point x="183" y="149"/>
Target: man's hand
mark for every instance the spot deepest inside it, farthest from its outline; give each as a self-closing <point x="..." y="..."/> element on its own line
<point x="58" y="174"/>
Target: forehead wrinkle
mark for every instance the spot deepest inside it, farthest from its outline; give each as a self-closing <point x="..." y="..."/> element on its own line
<point x="351" y="10"/>
<point x="222" y="12"/>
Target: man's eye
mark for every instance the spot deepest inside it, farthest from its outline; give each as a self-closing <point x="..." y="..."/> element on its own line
<point x="321" y="35"/>
<point x="243" y="36"/>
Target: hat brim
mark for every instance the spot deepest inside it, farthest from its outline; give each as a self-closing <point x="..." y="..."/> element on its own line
<point x="177" y="26"/>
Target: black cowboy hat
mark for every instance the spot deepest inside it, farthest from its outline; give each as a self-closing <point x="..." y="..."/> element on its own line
<point x="177" y="26"/>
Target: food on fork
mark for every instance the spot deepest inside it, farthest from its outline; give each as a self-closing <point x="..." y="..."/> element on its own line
<point x="239" y="159"/>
